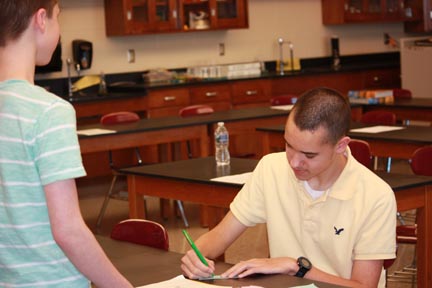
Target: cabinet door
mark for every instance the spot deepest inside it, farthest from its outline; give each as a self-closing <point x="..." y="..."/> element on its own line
<point x="352" y="11"/>
<point x="229" y="14"/>
<point x="131" y="17"/>
<point x="139" y="16"/>
<point x="165" y="15"/>
<point x="421" y="21"/>
<point x="251" y="92"/>
<point x="382" y="79"/>
<point x="213" y="14"/>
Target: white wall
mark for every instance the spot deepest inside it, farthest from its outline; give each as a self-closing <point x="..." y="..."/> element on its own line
<point x="298" y="21"/>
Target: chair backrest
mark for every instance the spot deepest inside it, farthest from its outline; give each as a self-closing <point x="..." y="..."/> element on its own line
<point x="194" y="110"/>
<point x="288" y="99"/>
<point x="421" y="161"/>
<point x="122" y="117"/>
<point x="361" y="152"/>
<point x="379" y="117"/>
<point x="401" y="93"/>
<point x="143" y="232"/>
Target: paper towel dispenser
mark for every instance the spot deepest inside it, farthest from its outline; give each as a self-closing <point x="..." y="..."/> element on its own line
<point x="82" y="54"/>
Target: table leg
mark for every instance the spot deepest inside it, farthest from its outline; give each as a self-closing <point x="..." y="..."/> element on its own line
<point x="136" y="202"/>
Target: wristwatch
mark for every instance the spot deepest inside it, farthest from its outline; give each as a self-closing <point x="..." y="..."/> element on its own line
<point x="304" y="266"/>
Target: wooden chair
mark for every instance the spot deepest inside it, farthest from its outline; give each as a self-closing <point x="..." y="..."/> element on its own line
<point x="142" y="232"/>
<point x="190" y="111"/>
<point x="116" y="118"/>
<point x="420" y="163"/>
<point x="361" y="152"/>
<point x="380" y="117"/>
<point x="288" y="99"/>
<point x="400" y="93"/>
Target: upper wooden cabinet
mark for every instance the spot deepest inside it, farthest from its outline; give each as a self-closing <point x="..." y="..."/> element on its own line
<point x="213" y="14"/>
<point x="424" y="23"/>
<point x="134" y="17"/>
<point x="364" y="11"/>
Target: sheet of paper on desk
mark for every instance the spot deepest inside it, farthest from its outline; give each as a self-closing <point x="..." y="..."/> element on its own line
<point x="236" y="179"/>
<point x="377" y="129"/>
<point x="180" y="282"/>
<point x="96" y="131"/>
<point x="282" y="107"/>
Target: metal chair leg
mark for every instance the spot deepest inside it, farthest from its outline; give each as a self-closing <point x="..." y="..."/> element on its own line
<point x="182" y="213"/>
<point x="105" y="203"/>
<point x="389" y="161"/>
<point x="400" y="218"/>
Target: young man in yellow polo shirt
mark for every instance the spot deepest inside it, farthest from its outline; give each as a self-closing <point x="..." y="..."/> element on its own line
<point x="328" y="217"/>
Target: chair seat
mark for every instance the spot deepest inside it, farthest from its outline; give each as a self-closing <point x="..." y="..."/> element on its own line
<point x="142" y="232"/>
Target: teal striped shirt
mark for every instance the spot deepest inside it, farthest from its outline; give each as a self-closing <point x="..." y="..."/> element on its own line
<point x="38" y="146"/>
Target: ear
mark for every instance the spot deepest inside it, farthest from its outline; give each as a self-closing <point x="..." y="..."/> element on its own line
<point x="342" y="144"/>
<point x="39" y="19"/>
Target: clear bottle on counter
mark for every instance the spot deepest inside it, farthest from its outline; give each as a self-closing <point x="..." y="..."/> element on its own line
<point x="102" y="85"/>
<point x="222" y="154"/>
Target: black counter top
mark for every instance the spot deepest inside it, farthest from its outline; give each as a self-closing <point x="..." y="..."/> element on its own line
<point x="309" y="66"/>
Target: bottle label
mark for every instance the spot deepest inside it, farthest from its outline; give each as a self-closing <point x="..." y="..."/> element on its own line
<point x="222" y="139"/>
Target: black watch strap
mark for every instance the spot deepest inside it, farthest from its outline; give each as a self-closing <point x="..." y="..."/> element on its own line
<point x="304" y="266"/>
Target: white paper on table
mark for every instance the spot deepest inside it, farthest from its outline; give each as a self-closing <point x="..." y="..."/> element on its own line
<point x="236" y="179"/>
<point x="282" y="107"/>
<point x="180" y="282"/>
<point x="95" y="131"/>
<point x="377" y="129"/>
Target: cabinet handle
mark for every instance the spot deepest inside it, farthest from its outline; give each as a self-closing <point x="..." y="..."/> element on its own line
<point x="211" y="94"/>
<point x="376" y="79"/>
<point x="169" y="98"/>
<point x="174" y="14"/>
<point x="129" y="15"/>
<point x="251" y="92"/>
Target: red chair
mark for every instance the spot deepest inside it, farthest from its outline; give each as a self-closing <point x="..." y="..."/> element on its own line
<point x="361" y="152"/>
<point x="142" y="232"/>
<point x="288" y="99"/>
<point x="421" y="161"/>
<point x="119" y="118"/>
<point x="190" y="111"/>
<point x="407" y="234"/>
<point x="380" y="117"/>
<point x="194" y="110"/>
<point x="116" y="118"/>
<point x="401" y="93"/>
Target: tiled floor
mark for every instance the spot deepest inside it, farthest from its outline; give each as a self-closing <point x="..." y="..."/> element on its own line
<point x="253" y="243"/>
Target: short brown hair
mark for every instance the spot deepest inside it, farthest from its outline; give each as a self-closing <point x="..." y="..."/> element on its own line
<point x="15" y="16"/>
<point x="323" y="107"/>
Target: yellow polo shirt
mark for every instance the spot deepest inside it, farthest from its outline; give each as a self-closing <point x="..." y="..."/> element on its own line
<point x="354" y="219"/>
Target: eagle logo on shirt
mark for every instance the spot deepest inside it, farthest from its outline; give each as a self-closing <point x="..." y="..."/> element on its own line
<point x="338" y="231"/>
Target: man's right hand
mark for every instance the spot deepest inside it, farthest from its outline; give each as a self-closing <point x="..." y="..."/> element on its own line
<point x="193" y="268"/>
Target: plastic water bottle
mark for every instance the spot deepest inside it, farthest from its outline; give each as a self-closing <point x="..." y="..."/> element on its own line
<point x="222" y="155"/>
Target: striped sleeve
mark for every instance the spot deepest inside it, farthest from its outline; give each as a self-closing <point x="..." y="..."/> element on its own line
<point x="57" y="152"/>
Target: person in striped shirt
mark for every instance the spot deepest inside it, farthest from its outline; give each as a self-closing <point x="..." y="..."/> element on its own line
<point x="44" y="241"/>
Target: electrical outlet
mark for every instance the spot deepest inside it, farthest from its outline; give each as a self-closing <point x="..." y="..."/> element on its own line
<point x="131" y="55"/>
<point x="221" y="49"/>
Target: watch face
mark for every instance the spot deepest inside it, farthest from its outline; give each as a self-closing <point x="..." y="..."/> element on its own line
<point x="304" y="262"/>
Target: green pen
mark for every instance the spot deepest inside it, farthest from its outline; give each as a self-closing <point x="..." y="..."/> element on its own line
<point x="192" y="244"/>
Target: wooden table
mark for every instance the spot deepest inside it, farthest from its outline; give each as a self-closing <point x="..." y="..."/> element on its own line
<point x="406" y="109"/>
<point x="241" y="124"/>
<point x="189" y="181"/>
<point x="398" y="144"/>
<point x="143" y="265"/>
<point x="145" y="132"/>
